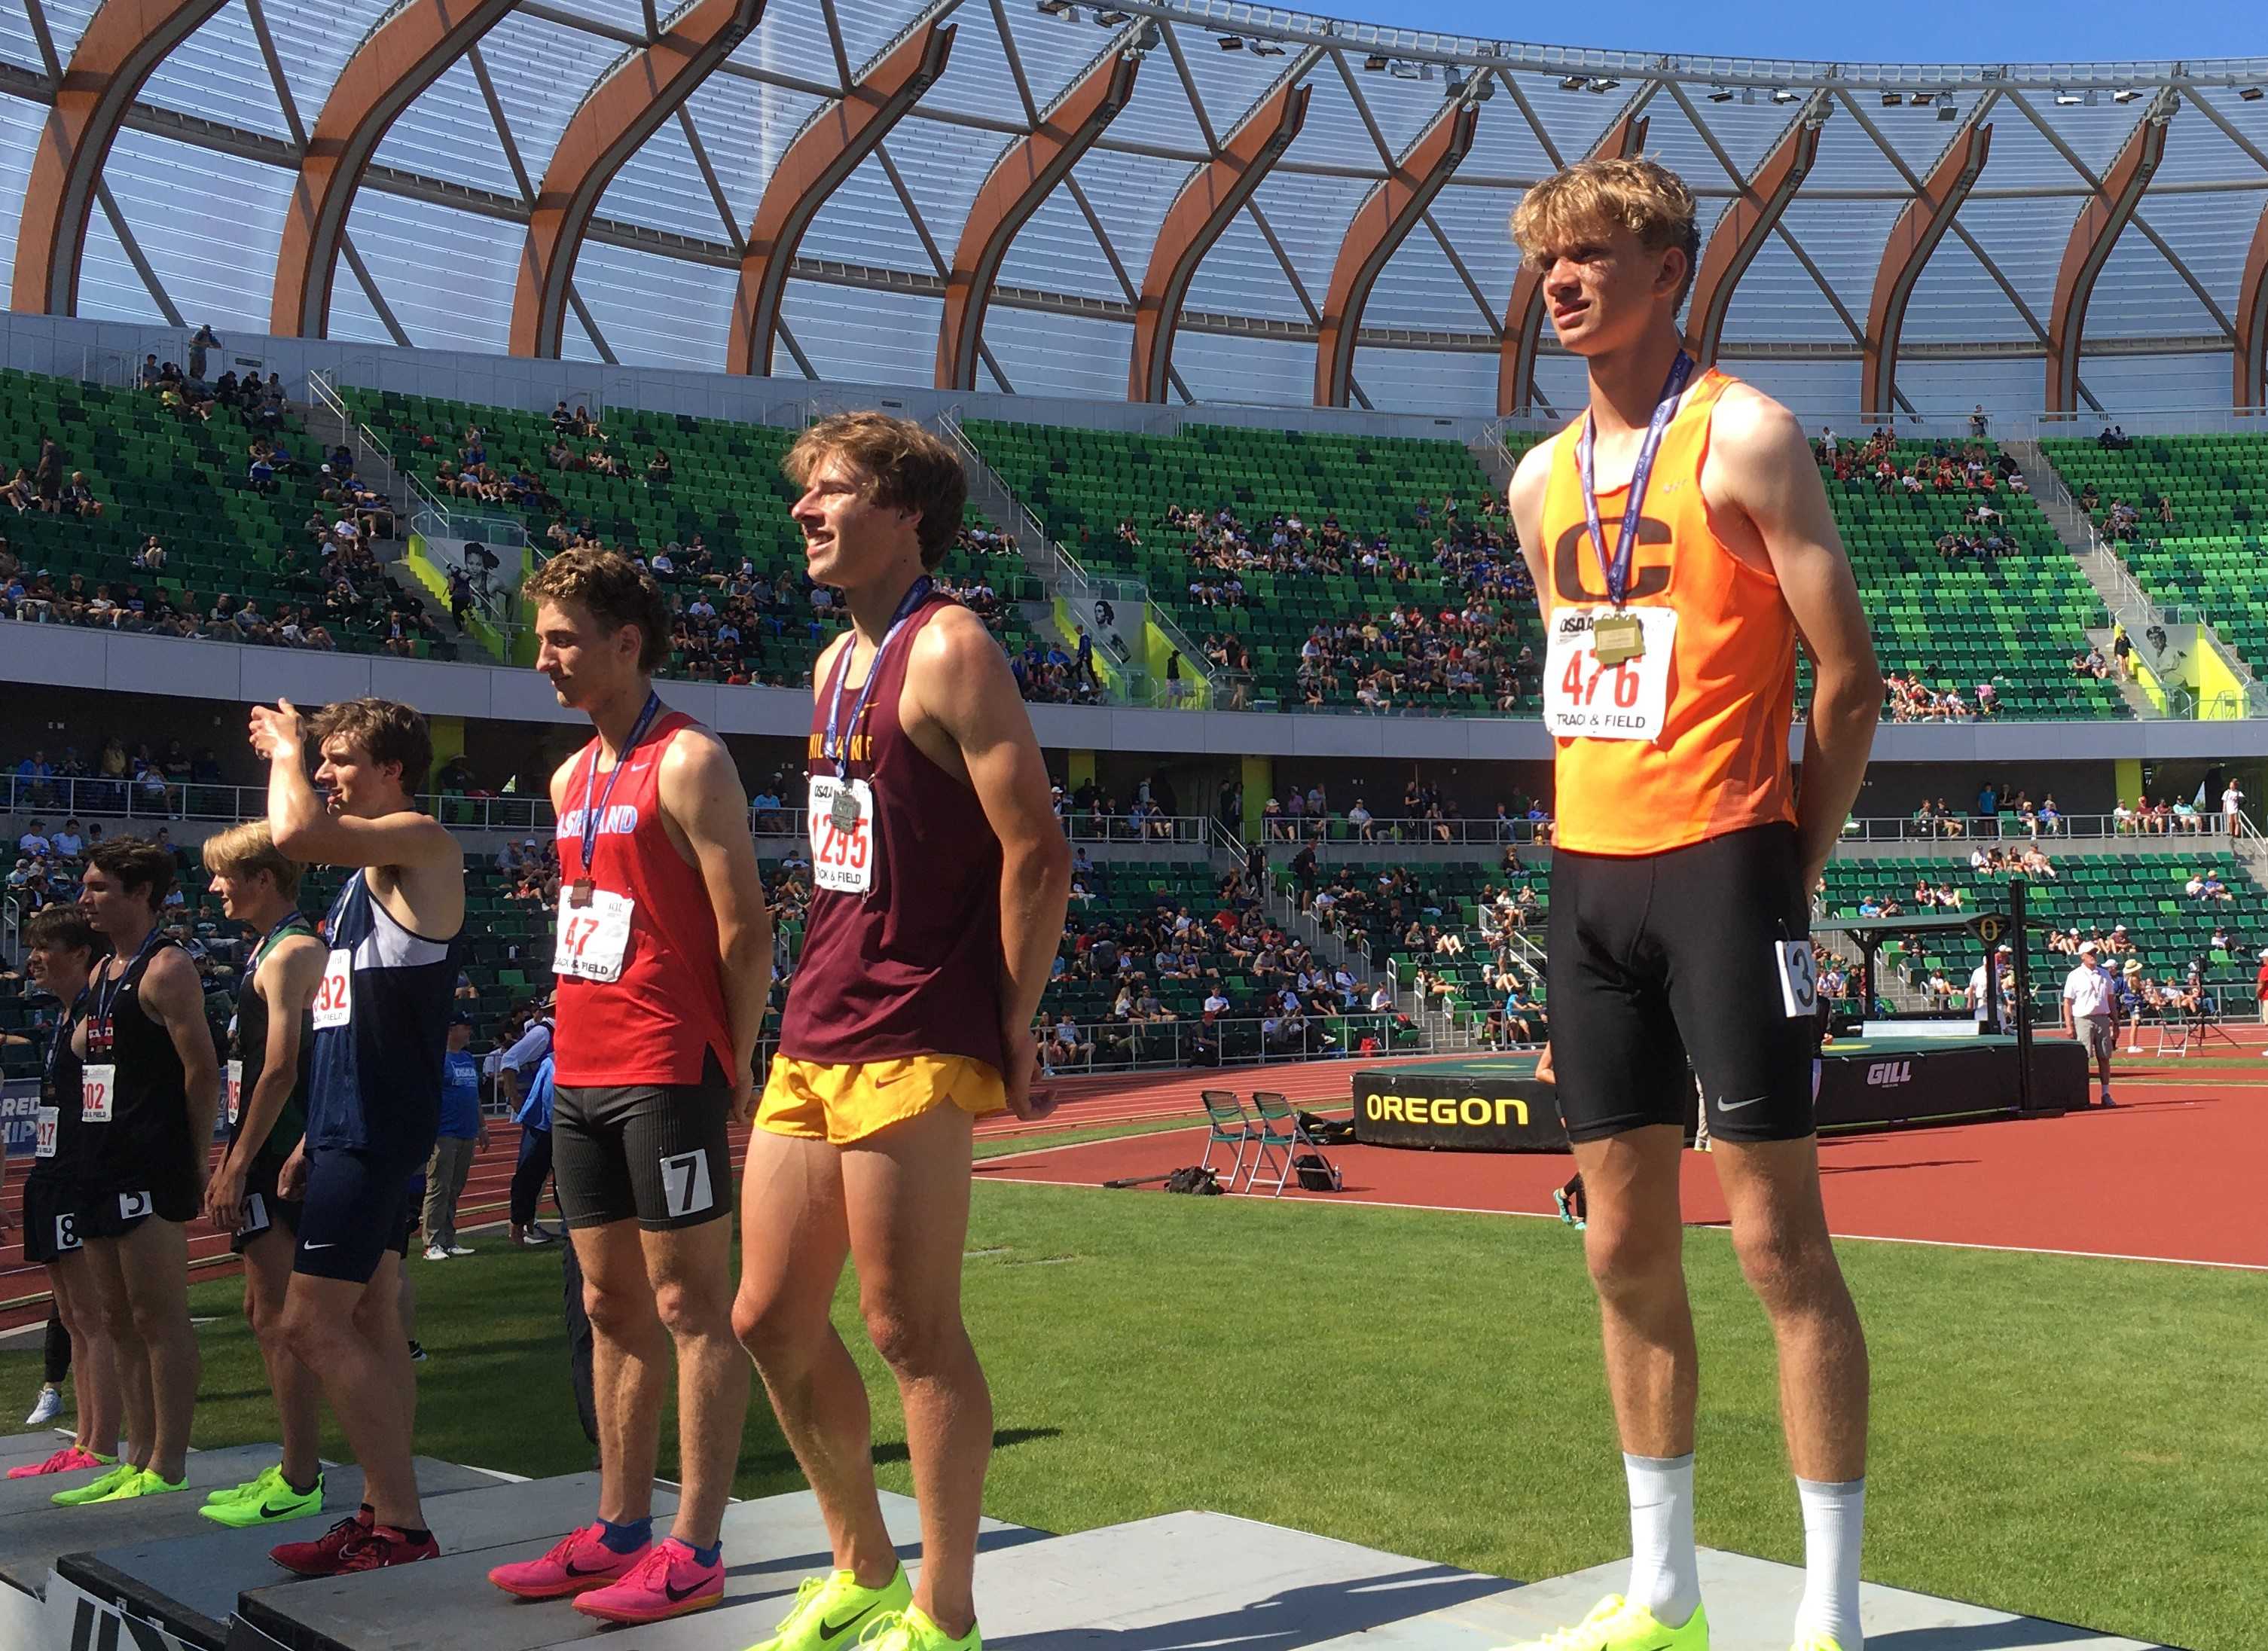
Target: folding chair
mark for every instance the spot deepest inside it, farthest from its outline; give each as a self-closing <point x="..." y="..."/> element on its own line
<point x="1277" y="1132"/>
<point x="1227" y="1126"/>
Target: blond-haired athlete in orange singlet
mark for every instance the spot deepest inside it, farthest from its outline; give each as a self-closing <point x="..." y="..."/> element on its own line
<point x="1679" y="922"/>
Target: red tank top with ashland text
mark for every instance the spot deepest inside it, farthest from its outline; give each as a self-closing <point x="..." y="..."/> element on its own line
<point x="913" y="966"/>
<point x="660" y="1022"/>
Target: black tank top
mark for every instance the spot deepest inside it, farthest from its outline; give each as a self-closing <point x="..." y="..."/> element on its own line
<point x="59" y="1088"/>
<point x="250" y="1046"/>
<point x="148" y="1135"/>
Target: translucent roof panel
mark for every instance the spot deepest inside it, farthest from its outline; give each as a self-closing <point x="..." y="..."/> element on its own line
<point x="1420" y="288"/>
<point x="1057" y="252"/>
<point x="1777" y="298"/>
<point x="20" y="125"/>
<point x="1132" y="193"/>
<point x="860" y="337"/>
<point x="1505" y="148"/>
<point x="661" y="187"/>
<point x="541" y="70"/>
<point x="1478" y="223"/>
<point x="1955" y="298"/>
<point x="1818" y="391"/>
<point x="1059" y="355"/>
<point x="1229" y="83"/>
<point x="66" y="22"/>
<point x="1915" y="131"/>
<point x="2211" y="234"/>
<point x="791" y="38"/>
<point x="1426" y="380"/>
<point x="944" y="165"/>
<point x="2001" y="384"/>
<point x="313" y="39"/>
<point x="1746" y="132"/>
<point x="2139" y="295"/>
<point x="976" y="78"/>
<point x="448" y="133"/>
<point x="2158" y="381"/>
<point x="658" y="311"/>
<point x="1217" y="367"/>
<point x="746" y="126"/>
<point x="864" y="223"/>
<point x="217" y="74"/>
<point x="2026" y="238"/>
<point x="17" y="44"/>
<point x="2095" y="132"/>
<point x="1240" y="275"/>
<point x="1309" y="213"/>
<point x="109" y="288"/>
<point x="869" y="26"/>
<point x="403" y="242"/>
<point x="208" y="224"/>
<point x="1850" y="158"/>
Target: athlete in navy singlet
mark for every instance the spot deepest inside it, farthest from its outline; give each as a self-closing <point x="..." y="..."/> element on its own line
<point x="381" y="1019"/>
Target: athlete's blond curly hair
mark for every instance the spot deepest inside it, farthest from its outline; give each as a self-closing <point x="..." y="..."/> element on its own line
<point x="1643" y="196"/>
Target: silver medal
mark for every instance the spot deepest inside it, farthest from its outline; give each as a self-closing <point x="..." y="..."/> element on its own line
<point x="844" y="811"/>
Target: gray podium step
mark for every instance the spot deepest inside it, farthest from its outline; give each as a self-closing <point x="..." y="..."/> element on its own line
<point x="189" y="1584"/>
<point x="437" y="1602"/>
<point x="31" y="1537"/>
<point x="1183" y="1580"/>
<point x="1751" y="1605"/>
<point x="36" y="1446"/>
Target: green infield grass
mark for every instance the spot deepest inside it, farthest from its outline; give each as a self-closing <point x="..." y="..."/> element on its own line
<point x="2074" y="1439"/>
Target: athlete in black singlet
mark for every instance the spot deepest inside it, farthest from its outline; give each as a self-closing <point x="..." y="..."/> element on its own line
<point x="150" y="1089"/>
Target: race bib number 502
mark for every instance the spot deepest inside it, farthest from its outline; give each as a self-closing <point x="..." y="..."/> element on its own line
<point x="1586" y="699"/>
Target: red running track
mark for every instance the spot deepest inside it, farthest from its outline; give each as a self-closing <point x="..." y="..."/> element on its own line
<point x="2171" y="1174"/>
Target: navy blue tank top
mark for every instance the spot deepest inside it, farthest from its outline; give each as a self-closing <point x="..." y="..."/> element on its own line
<point x="381" y="1030"/>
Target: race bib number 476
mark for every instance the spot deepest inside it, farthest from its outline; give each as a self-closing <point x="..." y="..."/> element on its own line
<point x="1585" y="698"/>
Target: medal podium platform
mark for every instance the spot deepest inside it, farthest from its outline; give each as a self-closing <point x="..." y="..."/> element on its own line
<point x="152" y="1576"/>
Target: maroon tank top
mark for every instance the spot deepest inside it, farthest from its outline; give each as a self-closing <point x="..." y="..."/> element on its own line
<point x="913" y="966"/>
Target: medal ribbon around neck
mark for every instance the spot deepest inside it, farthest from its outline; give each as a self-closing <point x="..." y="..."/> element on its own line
<point x="1616" y="570"/>
<point x="835" y="747"/>
<point x="107" y="990"/>
<point x="65" y="1025"/>
<point x="289" y="920"/>
<point x="591" y="816"/>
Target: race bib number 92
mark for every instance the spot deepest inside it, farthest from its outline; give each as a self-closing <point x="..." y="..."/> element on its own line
<point x="335" y="998"/>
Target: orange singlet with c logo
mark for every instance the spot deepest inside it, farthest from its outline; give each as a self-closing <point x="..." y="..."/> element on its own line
<point x="1718" y="762"/>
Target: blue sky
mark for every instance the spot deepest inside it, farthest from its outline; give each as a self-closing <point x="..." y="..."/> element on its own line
<point x="1900" y="31"/>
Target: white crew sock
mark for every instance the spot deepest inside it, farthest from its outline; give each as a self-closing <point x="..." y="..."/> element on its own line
<point x="1834" y="1520"/>
<point x="1665" y="1573"/>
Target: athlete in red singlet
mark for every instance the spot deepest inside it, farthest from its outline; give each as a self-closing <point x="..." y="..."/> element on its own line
<point x="664" y="955"/>
<point x="940" y="877"/>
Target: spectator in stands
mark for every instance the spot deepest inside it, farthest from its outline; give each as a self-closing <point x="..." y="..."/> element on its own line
<point x="2232" y="808"/>
<point x="147" y="376"/>
<point x="1976" y="425"/>
<point x="201" y="342"/>
<point x="68" y="842"/>
<point x="34" y="843"/>
<point x="20" y="493"/>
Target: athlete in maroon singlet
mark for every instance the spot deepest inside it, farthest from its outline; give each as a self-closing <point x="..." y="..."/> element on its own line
<point x="940" y="877"/>
<point x="663" y="953"/>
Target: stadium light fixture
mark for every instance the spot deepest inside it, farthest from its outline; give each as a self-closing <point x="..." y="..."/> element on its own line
<point x="2126" y="94"/>
<point x="1231" y="42"/>
<point x="1783" y="94"/>
<point x="1946" y="112"/>
<point x="2250" y="94"/>
<point x="1111" y="20"/>
<point x="1721" y="95"/>
<point x="1375" y="61"/>
<point x="1058" y="8"/>
<point x="1891" y="100"/>
<point x="1747" y="94"/>
<point x="1452" y="81"/>
<point x="1402" y="69"/>
<point x="1266" y="48"/>
<point x="2066" y="100"/>
<point x="1606" y="82"/>
<point x="1574" y="83"/>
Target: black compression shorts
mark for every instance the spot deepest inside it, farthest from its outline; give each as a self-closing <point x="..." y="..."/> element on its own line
<point x="656" y="1153"/>
<point x="52" y="1206"/>
<point x="264" y="1211"/>
<point x="1661" y="960"/>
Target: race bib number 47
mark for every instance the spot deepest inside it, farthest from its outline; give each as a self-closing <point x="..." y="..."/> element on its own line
<point x="842" y="816"/>
<point x="593" y="938"/>
<point x="1585" y="698"/>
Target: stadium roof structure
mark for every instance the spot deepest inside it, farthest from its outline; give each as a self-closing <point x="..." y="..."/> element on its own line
<point x="1166" y="199"/>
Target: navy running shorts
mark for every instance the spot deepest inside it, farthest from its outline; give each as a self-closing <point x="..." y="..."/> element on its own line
<point x="358" y="1205"/>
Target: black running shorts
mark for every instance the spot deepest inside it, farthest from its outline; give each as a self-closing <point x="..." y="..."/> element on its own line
<point x="1660" y="960"/>
<point x="52" y="1207"/>
<point x="653" y="1153"/>
<point x="168" y="1192"/>
<point x="358" y="1205"/>
<point x="264" y="1211"/>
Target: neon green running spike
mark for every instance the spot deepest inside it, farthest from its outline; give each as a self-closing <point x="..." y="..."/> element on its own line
<point x="272" y="1507"/>
<point x="95" y="1489"/>
<point x="832" y="1612"/>
<point x="266" y="1477"/>
<point x="144" y="1483"/>
<point x="913" y="1629"/>
<point x="1616" y="1624"/>
<point x="1816" y="1642"/>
